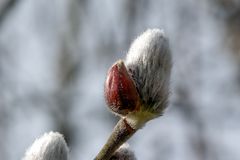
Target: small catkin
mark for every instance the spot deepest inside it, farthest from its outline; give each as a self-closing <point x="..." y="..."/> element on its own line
<point x="149" y="62"/>
<point x="51" y="146"/>
<point x="123" y="153"/>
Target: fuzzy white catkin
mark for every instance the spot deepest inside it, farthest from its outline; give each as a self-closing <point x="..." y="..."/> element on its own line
<point x="149" y="62"/>
<point x="123" y="153"/>
<point x="51" y="146"/>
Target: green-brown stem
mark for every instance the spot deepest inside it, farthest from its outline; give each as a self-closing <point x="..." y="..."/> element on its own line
<point x="121" y="133"/>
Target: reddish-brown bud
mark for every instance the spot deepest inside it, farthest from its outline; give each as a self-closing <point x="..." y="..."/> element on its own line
<point x="120" y="91"/>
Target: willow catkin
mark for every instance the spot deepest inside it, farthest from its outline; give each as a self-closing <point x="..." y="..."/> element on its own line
<point x="149" y="63"/>
<point x="51" y="146"/>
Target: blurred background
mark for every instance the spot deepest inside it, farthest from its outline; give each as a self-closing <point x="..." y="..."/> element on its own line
<point x="54" y="56"/>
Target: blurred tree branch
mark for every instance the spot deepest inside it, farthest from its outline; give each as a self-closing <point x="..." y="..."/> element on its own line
<point x="5" y="8"/>
<point x="189" y="111"/>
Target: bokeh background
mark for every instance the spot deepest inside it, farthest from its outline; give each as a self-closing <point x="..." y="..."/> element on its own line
<point x="54" y="55"/>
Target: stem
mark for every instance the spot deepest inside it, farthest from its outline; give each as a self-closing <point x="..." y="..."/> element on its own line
<point x="121" y="133"/>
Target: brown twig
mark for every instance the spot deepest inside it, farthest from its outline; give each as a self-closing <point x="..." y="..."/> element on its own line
<point x="121" y="133"/>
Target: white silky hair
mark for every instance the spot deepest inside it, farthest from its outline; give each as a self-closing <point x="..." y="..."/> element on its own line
<point x="51" y="146"/>
<point x="149" y="62"/>
<point x="123" y="153"/>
